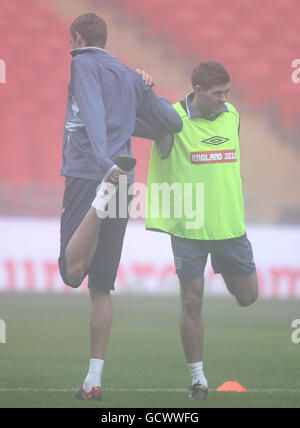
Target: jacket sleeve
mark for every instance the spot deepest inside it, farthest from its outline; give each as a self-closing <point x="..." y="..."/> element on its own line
<point x="88" y="94"/>
<point x="156" y="117"/>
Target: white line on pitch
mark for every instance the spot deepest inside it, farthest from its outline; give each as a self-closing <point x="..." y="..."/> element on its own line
<point x="256" y="391"/>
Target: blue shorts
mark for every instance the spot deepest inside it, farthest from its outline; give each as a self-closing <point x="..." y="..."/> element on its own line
<point x="78" y="197"/>
<point x="230" y="257"/>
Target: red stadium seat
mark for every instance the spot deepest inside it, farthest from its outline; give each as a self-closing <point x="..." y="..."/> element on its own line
<point x="289" y="96"/>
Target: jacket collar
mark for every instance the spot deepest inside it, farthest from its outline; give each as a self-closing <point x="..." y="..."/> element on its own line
<point x="193" y="112"/>
<point x="88" y="49"/>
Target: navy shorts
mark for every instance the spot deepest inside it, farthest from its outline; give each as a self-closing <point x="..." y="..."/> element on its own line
<point x="230" y="257"/>
<point x="78" y="197"/>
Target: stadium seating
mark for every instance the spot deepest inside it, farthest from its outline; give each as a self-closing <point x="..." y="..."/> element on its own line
<point x="257" y="48"/>
<point x="33" y="99"/>
<point x="32" y="109"/>
<point x="256" y="39"/>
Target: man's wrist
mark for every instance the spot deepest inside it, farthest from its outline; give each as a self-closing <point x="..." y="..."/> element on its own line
<point x="109" y="172"/>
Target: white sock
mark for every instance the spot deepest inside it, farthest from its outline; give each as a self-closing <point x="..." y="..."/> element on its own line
<point x="196" y="371"/>
<point x="94" y="375"/>
<point x="104" y="194"/>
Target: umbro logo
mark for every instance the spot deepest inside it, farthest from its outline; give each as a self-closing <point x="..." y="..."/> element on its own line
<point x="215" y="141"/>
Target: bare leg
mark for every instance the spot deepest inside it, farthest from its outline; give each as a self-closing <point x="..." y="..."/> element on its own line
<point x="244" y="288"/>
<point x="81" y="248"/>
<point x="100" y="322"/>
<point x="191" y="325"/>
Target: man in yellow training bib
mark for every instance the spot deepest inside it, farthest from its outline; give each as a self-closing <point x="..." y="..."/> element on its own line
<point x="195" y="195"/>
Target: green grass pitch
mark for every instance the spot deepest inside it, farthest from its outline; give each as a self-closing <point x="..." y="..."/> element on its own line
<point x="46" y="354"/>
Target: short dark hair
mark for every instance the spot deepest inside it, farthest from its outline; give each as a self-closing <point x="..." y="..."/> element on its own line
<point x="92" y="28"/>
<point x="210" y="74"/>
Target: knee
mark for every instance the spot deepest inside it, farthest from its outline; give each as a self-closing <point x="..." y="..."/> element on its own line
<point x="192" y="302"/>
<point x="75" y="276"/>
<point x="72" y="275"/>
<point x="247" y="299"/>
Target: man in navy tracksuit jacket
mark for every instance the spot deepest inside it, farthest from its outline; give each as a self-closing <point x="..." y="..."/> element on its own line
<point x="107" y="104"/>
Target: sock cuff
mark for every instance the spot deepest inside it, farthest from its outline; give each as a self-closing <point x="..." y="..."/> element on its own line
<point x="193" y="366"/>
<point x="96" y="365"/>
